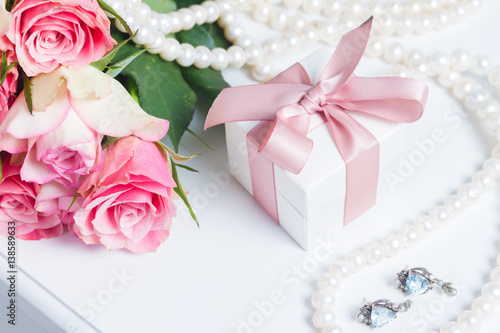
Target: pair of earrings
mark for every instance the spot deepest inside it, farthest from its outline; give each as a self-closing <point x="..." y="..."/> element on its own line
<point x="415" y="281"/>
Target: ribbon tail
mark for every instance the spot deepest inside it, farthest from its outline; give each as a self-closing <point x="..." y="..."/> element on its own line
<point x="360" y="151"/>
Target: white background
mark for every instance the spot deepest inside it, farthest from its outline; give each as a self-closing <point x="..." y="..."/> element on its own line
<point x="214" y="278"/>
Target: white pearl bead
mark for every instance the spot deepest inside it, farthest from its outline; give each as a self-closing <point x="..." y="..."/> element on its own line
<point x="144" y="34"/>
<point x="213" y="11"/>
<point x="154" y="21"/>
<point x="233" y="31"/>
<point x="438" y="63"/>
<point x="254" y="54"/>
<point x="451" y="327"/>
<point x="374" y="253"/>
<point x="220" y="59"/>
<point x="375" y="47"/>
<point x="484" y="307"/>
<point x="457" y="13"/>
<point x="405" y="26"/>
<point x="448" y="78"/>
<point x="481" y="64"/>
<point x="460" y="60"/>
<point x="441" y="19"/>
<point x="244" y="41"/>
<point x="290" y="41"/>
<point x="177" y="23"/>
<point x="200" y="14"/>
<point x="187" y="17"/>
<point x="409" y="235"/>
<point x="469" y="194"/>
<point x="155" y="44"/>
<point x="374" y="8"/>
<point x="262" y="12"/>
<point x="462" y="87"/>
<point x="392" y="245"/>
<point x="424" y="226"/>
<point x="415" y="6"/>
<point x="297" y="22"/>
<point x="469" y="321"/>
<point x="131" y="19"/>
<point x="419" y="68"/>
<point x="493" y="121"/>
<point x="495" y="274"/>
<point x="292" y="3"/>
<point x="356" y="261"/>
<point x="496" y="151"/>
<point x="474" y="98"/>
<point x="329" y="281"/>
<point x="237" y="56"/>
<point x="279" y="19"/>
<point x="166" y="25"/>
<point x="262" y="71"/>
<point x="333" y="329"/>
<point x="327" y="30"/>
<point x="323" y="298"/>
<point x="484" y="181"/>
<point x="425" y="24"/>
<point x="472" y="6"/>
<point x="323" y="318"/>
<point x="171" y="49"/>
<point x="309" y="35"/>
<point x="117" y="5"/>
<point x="492" y="291"/>
<point x="395" y="7"/>
<point x="341" y="269"/>
<point x="353" y="7"/>
<point x="132" y="4"/>
<point x="399" y="70"/>
<point x="387" y="24"/>
<point x="333" y="8"/>
<point x="494" y="76"/>
<point x="440" y="216"/>
<point x="312" y="6"/>
<point x="493" y="165"/>
<point x="144" y="12"/>
<point x="226" y="19"/>
<point x="413" y="55"/>
<point x="272" y="48"/>
<point x="454" y="205"/>
<point x="203" y="57"/>
<point x="394" y="53"/>
<point x="187" y="56"/>
<point x="346" y="24"/>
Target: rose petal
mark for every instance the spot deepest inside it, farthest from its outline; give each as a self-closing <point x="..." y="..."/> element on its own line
<point x="5" y="19"/>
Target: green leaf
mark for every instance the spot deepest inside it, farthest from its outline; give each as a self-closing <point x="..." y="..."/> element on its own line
<point x="186" y="167"/>
<point x="180" y="192"/>
<point x="27" y="91"/>
<point x="103" y="63"/>
<point x="73" y="202"/>
<point x="161" y="6"/>
<point x="187" y="3"/>
<point x="217" y="35"/>
<point x="5" y="68"/>
<point x="163" y="92"/>
<point x="9" y="4"/>
<point x="117" y="68"/>
<point x="196" y="36"/>
<point x="109" y="9"/>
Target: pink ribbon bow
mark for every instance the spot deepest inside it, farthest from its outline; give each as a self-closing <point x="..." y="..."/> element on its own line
<point x="295" y="107"/>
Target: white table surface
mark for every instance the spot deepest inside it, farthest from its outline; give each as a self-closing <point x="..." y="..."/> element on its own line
<point x="223" y="276"/>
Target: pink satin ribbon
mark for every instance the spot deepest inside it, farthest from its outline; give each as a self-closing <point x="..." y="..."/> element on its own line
<point x="290" y="106"/>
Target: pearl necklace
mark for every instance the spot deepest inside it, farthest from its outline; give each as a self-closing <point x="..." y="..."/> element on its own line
<point x="391" y="17"/>
<point x="475" y="99"/>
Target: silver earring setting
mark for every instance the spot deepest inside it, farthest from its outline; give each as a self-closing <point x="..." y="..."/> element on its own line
<point x="381" y="312"/>
<point x="418" y="281"/>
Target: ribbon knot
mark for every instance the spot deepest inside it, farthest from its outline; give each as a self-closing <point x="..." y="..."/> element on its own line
<point x="314" y="100"/>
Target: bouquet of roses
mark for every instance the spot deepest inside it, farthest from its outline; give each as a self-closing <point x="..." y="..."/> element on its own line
<point x="78" y="153"/>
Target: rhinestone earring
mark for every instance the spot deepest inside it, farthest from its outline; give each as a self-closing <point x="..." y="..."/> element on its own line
<point x="381" y="312"/>
<point x="418" y="281"/>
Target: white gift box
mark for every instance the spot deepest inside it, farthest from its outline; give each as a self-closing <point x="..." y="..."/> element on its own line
<point x="311" y="203"/>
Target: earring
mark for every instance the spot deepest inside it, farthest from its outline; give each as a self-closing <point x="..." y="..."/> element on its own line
<point x="381" y="312"/>
<point x="418" y="281"/>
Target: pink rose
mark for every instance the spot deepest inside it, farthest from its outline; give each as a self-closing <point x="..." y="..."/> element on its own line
<point x="17" y="203"/>
<point x="128" y="202"/>
<point x="9" y="86"/>
<point x="5" y="19"/>
<point x="50" y="33"/>
<point x="56" y="199"/>
<point x="73" y="110"/>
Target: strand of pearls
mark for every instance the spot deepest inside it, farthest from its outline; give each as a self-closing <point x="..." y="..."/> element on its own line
<point x="392" y="17"/>
<point x="475" y="98"/>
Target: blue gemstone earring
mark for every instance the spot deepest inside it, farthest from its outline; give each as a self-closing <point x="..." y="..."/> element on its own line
<point x="381" y="312"/>
<point x="418" y="281"/>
